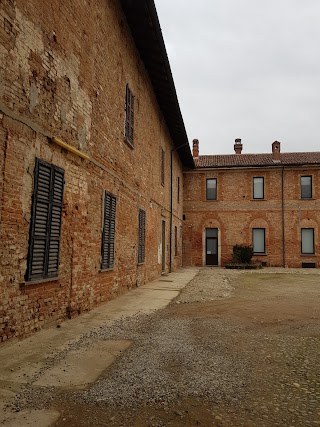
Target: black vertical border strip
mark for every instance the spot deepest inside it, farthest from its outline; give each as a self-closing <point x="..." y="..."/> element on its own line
<point x="33" y="220"/>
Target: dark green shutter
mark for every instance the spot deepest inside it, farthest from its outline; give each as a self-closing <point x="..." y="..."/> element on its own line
<point x="129" y="119"/>
<point x="142" y="236"/>
<point x="108" y="232"/>
<point x="45" y="228"/>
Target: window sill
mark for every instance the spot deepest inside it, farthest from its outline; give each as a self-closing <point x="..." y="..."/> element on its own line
<point x="308" y="255"/>
<point x="259" y="254"/>
<point x="307" y="198"/>
<point x="211" y="200"/>
<point x="129" y="143"/>
<point x="140" y="263"/>
<point x="257" y="200"/>
<point x="37" y="281"/>
<point x="102" y="270"/>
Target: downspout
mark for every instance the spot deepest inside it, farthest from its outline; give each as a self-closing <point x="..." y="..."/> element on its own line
<point x="283" y="222"/>
<point x="171" y="201"/>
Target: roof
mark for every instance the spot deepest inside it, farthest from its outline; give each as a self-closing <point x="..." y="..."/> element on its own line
<point x="144" y="24"/>
<point x="251" y="160"/>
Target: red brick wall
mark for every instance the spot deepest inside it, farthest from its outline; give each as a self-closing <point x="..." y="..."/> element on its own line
<point x="64" y="67"/>
<point x="235" y="213"/>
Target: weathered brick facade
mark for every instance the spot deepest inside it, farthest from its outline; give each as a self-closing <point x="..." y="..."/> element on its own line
<point x="64" y="67"/>
<point x="235" y="212"/>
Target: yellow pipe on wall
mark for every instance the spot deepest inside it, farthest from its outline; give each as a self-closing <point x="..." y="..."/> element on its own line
<point x="68" y="147"/>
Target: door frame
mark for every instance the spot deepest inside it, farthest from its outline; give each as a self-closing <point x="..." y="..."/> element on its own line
<point x="204" y="247"/>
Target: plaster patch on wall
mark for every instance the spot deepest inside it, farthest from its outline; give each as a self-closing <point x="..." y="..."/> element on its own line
<point x="29" y="38"/>
<point x="34" y="99"/>
<point x="80" y="100"/>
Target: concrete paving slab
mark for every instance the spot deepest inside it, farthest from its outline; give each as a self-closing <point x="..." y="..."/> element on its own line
<point x="42" y="418"/>
<point x="83" y="367"/>
<point x="21" y="360"/>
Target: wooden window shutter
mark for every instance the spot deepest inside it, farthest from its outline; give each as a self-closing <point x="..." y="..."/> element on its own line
<point x="162" y="166"/>
<point x="129" y="116"/>
<point x="45" y="227"/>
<point x="175" y="241"/>
<point x="142" y="236"/>
<point x="108" y="232"/>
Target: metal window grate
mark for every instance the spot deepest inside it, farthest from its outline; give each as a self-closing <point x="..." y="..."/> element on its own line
<point x="308" y="265"/>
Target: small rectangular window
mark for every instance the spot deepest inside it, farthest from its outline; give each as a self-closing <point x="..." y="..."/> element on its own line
<point x="211" y="189"/>
<point x="306" y="187"/>
<point x="258" y="240"/>
<point x="142" y="236"/>
<point x="129" y="116"/>
<point x="258" y="187"/>
<point x="45" y="226"/>
<point x="108" y="231"/>
<point x="175" y="241"/>
<point x="162" y="165"/>
<point x="307" y="241"/>
<point x="178" y="190"/>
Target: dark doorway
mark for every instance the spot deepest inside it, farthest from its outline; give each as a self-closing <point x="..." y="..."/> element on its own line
<point x="163" y="246"/>
<point x="212" y="246"/>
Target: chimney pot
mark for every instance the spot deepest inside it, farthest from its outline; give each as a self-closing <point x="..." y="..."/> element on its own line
<point x="195" y="148"/>
<point x="238" y="146"/>
<point x="276" y="151"/>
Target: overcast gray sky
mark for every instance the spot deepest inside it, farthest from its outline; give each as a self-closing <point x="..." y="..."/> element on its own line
<point x="246" y="69"/>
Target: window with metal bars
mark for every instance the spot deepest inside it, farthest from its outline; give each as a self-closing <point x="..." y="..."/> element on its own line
<point x="45" y="227"/>
<point x="142" y="236"/>
<point x="108" y="231"/>
<point x="129" y="116"/>
<point x="162" y="165"/>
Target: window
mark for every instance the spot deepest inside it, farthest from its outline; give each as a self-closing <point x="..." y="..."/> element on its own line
<point x="162" y="166"/>
<point x="258" y="240"/>
<point x="129" y="116"/>
<point x="45" y="227"/>
<point x="211" y="190"/>
<point x="306" y="187"/>
<point x="178" y="190"/>
<point x="307" y="241"/>
<point x="142" y="236"/>
<point x="108" y="231"/>
<point x="175" y="241"/>
<point x="258" y="187"/>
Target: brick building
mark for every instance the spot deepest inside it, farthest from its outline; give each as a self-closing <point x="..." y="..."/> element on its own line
<point x="270" y="201"/>
<point x="92" y="152"/>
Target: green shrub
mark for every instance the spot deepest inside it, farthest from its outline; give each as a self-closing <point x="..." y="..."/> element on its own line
<point x="242" y="254"/>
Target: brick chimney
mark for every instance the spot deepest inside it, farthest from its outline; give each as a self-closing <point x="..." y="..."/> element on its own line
<point x="237" y="146"/>
<point x="195" y="148"/>
<point x="276" y="151"/>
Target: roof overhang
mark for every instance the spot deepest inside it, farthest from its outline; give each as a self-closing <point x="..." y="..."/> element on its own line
<point x="144" y="24"/>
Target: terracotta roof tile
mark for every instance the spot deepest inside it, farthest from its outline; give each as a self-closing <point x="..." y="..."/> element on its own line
<point x="247" y="160"/>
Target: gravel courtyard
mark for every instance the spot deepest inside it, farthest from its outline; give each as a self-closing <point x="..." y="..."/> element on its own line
<point x="234" y="349"/>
